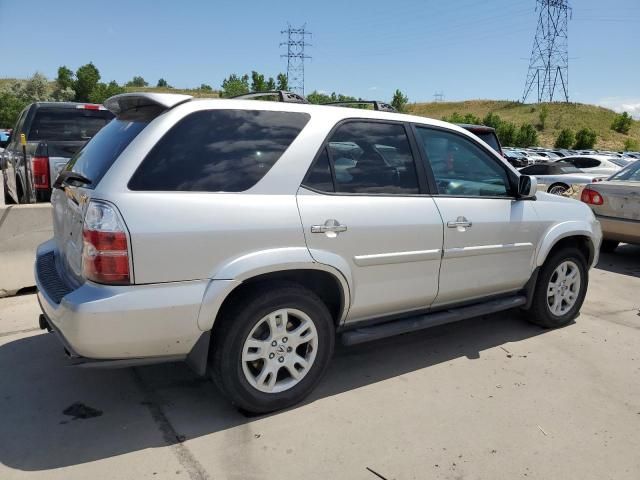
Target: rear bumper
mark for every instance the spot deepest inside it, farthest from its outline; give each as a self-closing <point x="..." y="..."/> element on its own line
<point x="619" y="229"/>
<point x="119" y="322"/>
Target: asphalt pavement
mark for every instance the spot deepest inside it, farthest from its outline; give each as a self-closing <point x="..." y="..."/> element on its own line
<point x="488" y="398"/>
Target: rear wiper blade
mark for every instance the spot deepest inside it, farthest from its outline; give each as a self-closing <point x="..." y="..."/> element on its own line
<point x="67" y="176"/>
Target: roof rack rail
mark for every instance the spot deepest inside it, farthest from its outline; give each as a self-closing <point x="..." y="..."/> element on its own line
<point x="377" y="105"/>
<point x="283" y="96"/>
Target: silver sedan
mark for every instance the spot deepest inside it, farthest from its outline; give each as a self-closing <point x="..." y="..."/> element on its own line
<point x="560" y="178"/>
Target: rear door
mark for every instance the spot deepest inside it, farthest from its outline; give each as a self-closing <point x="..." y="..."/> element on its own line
<point x="364" y="205"/>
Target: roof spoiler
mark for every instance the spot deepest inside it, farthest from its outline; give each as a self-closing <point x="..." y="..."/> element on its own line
<point x="125" y="102"/>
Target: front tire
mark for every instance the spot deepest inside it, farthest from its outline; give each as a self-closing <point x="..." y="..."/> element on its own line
<point x="272" y="347"/>
<point x="560" y="289"/>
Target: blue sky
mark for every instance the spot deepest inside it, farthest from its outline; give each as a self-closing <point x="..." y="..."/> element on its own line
<point x="464" y="48"/>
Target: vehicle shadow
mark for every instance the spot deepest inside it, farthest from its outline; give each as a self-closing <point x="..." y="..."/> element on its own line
<point x="624" y="260"/>
<point x="114" y="412"/>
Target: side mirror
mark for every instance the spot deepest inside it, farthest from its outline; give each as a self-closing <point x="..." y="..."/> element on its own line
<point x="527" y="186"/>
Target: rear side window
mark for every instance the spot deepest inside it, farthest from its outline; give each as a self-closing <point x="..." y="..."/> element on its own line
<point x="67" y="124"/>
<point x="95" y="158"/>
<point x="218" y="151"/>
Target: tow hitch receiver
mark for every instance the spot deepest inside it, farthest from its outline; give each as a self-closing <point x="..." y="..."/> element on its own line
<point x="44" y="324"/>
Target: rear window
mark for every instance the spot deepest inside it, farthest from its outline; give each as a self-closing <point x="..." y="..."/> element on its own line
<point x="97" y="156"/>
<point x="218" y="151"/>
<point x="490" y="139"/>
<point x="67" y="124"/>
<point x="629" y="174"/>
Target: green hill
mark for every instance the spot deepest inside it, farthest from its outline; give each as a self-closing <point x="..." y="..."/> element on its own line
<point x="561" y="115"/>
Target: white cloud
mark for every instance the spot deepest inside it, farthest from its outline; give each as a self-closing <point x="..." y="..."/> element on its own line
<point x="373" y="88"/>
<point x="621" y="104"/>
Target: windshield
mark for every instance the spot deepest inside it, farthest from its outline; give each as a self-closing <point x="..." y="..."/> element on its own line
<point x="98" y="155"/>
<point x="629" y="174"/>
<point x="67" y="124"/>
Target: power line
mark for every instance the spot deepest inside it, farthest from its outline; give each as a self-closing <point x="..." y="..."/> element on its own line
<point x="295" y="42"/>
<point x="549" y="63"/>
<point x="438" y="97"/>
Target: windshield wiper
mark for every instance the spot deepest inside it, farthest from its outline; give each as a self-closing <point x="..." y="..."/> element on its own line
<point x="67" y="176"/>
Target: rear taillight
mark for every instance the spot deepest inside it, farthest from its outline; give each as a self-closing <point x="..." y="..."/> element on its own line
<point x="591" y="197"/>
<point x="40" y="170"/>
<point x="105" y="254"/>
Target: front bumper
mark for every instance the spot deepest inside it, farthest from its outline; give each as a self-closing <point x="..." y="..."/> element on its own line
<point x="119" y="322"/>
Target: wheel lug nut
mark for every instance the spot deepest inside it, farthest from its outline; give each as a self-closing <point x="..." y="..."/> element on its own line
<point x="274" y="343"/>
<point x="281" y="359"/>
<point x="284" y="340"/>
<point x="289" y="349"/>
<point x="271" y="355"/>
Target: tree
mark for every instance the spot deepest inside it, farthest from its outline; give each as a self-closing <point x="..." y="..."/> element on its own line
<point x="527" y="136"/>
<point x="542" y="117"/>
<point x="235" y="85"/>
<point x="622" y="123"/>
<point x="102" y="91"/>
<point x="205" y="87"/>
<point x="36" y="89"/>
<point x="631" y="145"/>
<point x="257" y="82"/>
<point x="282" y="82"/>
<point x="162" y="83"/>
<point x="507" y="133"/>
<point x="137" y="81"/>
<point x="492" y="120"/>
<point x="585" y="139"/>
<point x="64" y="79"/>
<point x="270" y="85"/>
<point x="469" y="118"/>
<point x="87" y="78"/>
<point x="10" y="107"/>
<point x="566" y="138"/>
<point x="399" y="101"/>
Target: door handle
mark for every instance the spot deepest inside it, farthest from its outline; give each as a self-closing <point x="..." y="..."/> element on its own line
<point x="460" y="222"/>
<point x="330" y="226"/>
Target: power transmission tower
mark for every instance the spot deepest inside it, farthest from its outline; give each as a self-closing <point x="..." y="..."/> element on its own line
<point x="548" y="71"/>
<point x="296" y="41"/>
<point x="438" y="97"/>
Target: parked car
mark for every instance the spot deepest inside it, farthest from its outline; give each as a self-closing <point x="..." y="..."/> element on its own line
<point x="616" y="204"/>
<point x="515" y="158"/>
<point x="486" y="134"/>
<point x="54" y="132"/>
<point x="596" y="164"/>
<point x="560" y="178"/>
<point x="219" y="232"/>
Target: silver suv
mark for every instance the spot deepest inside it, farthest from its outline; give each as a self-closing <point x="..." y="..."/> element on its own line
<point x="243" y="236"/>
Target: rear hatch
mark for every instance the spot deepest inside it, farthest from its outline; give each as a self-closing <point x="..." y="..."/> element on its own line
<point x="81" y="175"/>
<point x="64" y="129"/>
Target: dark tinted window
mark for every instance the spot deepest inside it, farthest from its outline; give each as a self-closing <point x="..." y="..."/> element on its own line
<point x="98" y="155"/>
<point x="67" y="124"/>
<point x="319" y="177"/>
<point x="583" y="162"/>
<point x="535" y="170"/>
<point x="490" y="139"/>
<point x="462" y="168"/>
<point x="218" y="151"/>
<point x="371" y="157"/>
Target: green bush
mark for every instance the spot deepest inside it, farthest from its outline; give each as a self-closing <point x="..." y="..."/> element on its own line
<point x="631" y="145"/>
<point x="565" y="139"/>
<point x="622" y="123"/>
<point x="507" y="133"/>
<point x="399" y="101"/>
<point x="492" y="120"/>
<point x="468" y="118"/>
<point x="585" y="139"/>
<point x="527" y="136"/>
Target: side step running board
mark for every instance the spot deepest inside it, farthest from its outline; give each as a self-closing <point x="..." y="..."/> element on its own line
<point x="412" y="324"/>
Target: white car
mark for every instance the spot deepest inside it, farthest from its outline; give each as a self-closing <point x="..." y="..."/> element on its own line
<point x="594" y="164"/>
<point x="245" y="237"/>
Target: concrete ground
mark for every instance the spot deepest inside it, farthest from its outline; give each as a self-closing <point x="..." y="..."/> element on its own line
<point x="491" y="398"/>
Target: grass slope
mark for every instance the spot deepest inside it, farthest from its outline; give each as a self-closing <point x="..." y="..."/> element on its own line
<point x="561" y="115"/>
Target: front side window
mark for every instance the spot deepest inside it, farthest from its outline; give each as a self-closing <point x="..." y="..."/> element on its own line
<point x="218" y="151"/>
<point x="460" y="167"/>
<point x="372" y="157"/>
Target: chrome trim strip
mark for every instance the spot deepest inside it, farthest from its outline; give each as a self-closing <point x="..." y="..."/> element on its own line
<point x="486" y="250"/>
<point x="397" y="257"/>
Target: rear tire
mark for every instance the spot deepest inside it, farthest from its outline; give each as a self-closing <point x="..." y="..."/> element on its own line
<point x="558" y="189"/>
<point x="272" y="347"/>
<point x="560" y="289"/>
<point x="608" y="246"/>
<point x="8" y="199"/>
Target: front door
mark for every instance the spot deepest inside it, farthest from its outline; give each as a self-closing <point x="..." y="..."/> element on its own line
<point x="362" y="207"/>
<point x="489" y="236"/>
